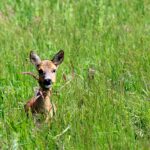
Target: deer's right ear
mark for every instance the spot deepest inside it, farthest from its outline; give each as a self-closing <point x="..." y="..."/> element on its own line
<point x="34" y="58"/>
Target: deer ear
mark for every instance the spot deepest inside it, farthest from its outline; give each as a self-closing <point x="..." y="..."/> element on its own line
<point x="34" y="58"/>
<point x="58" y="58"/>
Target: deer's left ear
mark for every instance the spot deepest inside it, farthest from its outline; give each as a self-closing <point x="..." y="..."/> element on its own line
<point x="58" y="58"/>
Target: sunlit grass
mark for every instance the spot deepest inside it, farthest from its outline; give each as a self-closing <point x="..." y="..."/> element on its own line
<point x="111" y="111"/>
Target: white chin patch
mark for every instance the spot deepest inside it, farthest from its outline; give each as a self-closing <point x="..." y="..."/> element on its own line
<point x="47" y="86"/>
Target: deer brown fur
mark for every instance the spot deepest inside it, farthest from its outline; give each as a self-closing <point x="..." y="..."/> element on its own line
<point x="41" y="102"/>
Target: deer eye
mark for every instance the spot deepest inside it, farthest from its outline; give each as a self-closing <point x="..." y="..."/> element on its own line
<point x="41" y="72"/>
<point x="54" y="70"/>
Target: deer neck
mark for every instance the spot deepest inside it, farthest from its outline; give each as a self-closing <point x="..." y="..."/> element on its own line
<point x="44" y="95"/>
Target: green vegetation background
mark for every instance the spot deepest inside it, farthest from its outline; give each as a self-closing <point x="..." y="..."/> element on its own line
<point x="111" y="111"/>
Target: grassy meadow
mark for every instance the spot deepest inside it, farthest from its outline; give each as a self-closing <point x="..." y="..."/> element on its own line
<point x="111" y="109"/>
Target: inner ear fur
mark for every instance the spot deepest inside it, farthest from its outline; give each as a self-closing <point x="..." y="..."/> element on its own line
<point x="34" y="58"/>
<point x="58" y="58"/>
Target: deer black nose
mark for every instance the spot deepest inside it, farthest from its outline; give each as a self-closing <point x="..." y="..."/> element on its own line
<point x="47" y="81"/>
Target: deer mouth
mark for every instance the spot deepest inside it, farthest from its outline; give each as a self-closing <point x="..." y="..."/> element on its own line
<point x="47" y="83"/>
<point x="47" y="86"/>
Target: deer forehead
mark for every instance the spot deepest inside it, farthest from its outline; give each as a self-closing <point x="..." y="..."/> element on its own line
<point x="46" y="64"/>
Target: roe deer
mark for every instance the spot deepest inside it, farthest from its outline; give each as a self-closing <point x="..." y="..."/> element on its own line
<point x="41" y="102"/>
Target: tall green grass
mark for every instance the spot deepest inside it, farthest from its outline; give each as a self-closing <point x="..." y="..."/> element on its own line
<point x="111" y="111"/>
